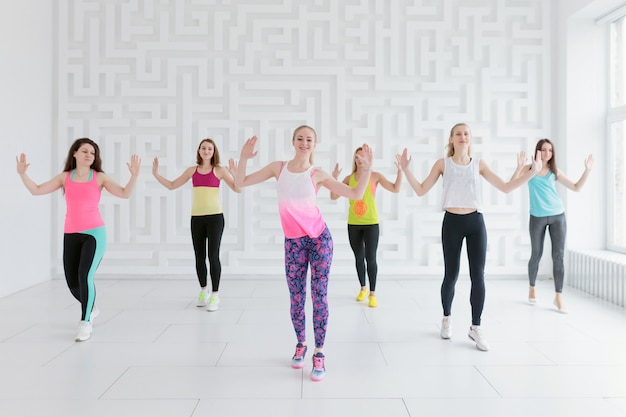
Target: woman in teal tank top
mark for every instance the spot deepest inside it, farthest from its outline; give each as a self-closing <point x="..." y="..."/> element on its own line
<point x="363" y="227"/>
<point x="547" y="212"/>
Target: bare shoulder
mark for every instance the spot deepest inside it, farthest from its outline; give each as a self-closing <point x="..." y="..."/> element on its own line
<point x="439" y="165"/>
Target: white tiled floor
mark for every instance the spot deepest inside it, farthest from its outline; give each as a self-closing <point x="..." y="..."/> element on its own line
<point x="153" y="353"/>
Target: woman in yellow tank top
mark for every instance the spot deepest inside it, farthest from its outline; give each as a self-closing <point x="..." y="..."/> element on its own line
<point x="363" y="228"/>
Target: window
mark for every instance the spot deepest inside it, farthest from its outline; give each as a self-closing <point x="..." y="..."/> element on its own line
<point x="617" y="137"/>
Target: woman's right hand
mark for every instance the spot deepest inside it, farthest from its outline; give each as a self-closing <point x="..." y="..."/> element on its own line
<point x="155" y="166"/>
<point x="537" y="163"/>
<point x="22" y="165"/>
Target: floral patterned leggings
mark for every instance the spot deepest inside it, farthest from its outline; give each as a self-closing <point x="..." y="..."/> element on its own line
<point x="299" y="253"/>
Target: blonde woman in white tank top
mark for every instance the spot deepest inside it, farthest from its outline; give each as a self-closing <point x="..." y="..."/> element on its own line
<point x="463" y="220"/>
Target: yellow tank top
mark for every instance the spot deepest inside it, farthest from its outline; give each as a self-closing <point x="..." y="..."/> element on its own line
<point x="363" y="211"/>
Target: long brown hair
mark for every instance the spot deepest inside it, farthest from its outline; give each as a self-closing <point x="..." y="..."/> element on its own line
<point x="70" y="161"/>
<point x="215" y="159"/>
<point x="450" y="146"/>
<point x="552" y="161"/>
<point x="295" y="132"/>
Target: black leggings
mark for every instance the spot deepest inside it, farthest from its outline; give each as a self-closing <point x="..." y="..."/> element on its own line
<point x="82" y="253"/>
<point x="364" y="243"/>
<point x="207" y="231"/>
<point x="454" y="229"/>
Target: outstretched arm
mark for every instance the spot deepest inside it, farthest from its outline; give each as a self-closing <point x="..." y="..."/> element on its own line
<point x="420" y="189"/>
<point x="325" y="179"/>
<point x="512" y="184"/>
<point x="117" y="190"/>
<point x="578" y="185"/>
<point x="265" y="173"/>
<point x="394" y="187"/>
<point x="37" y="189"/>
<point x="171" y="185"/>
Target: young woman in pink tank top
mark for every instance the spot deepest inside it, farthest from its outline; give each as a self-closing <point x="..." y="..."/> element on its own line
<point x="84" y="240"/>
<point x="207" y="218"/>
<point x="307" y="239"/>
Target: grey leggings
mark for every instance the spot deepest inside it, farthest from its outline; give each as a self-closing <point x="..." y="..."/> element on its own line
<point x="557" y="228"/>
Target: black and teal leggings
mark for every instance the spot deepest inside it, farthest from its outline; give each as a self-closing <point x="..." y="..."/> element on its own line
<point x="364" y="243"/>
<point x="454" y="229"/>
<point x="206" y="232"/>
<point x="82" y="253"/>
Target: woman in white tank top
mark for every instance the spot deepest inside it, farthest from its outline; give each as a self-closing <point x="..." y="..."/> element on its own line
<point x="463" y="220"/>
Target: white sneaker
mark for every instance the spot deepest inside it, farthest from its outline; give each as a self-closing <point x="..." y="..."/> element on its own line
<point x="214" y="303"/>
<point x="84" y="331"/>
<point x="202" y="299"/>
<point x="446" y="330"/>
<point x="476" y="334"/>
<point x="95" y="312"/>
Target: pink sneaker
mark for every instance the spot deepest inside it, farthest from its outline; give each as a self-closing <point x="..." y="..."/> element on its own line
<point x="297" y="362"/>
<point x="319" y="371"/>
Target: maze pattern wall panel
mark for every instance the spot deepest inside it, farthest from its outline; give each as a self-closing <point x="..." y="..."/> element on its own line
<point x="154" y="77"/>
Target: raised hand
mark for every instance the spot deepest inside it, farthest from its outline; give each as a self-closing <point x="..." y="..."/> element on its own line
<point x="247" y="151"/>
<point x="155" y="166"/>
<point x="135" y="164"/>
<point x="537" y="164"/>
<point x="336" y="171"/>
<point x="521" y="160"/>
<point x="232" y="166"/>
<point x="366" y="161"/>
<point x="589" y="162"/>
<point x="22" y="165"/>
<point x="403" y="160"/>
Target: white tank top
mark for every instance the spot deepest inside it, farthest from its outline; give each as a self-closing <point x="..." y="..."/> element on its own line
<point x="461" y="185"/>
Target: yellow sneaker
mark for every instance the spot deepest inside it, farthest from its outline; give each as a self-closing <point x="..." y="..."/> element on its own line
<point x="373" y="302"/>
<point x="362" y="295"/>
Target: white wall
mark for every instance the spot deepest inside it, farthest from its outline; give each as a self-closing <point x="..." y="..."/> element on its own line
<point x="26" y="110"/>
<point x="155" y="80"/>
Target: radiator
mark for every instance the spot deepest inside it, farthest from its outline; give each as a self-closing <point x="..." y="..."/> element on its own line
<point x="599" y="273"/>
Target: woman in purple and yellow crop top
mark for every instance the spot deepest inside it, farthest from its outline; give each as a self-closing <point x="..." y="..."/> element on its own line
<point x="463" y="220"/>
<point x="307" y="239"/>
<point x="84" y="239"/>
<point x="207" y="218"/>
<point x="547" y="212"/>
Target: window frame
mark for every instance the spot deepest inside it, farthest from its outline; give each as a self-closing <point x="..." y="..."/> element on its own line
<point x="616" y="113"/>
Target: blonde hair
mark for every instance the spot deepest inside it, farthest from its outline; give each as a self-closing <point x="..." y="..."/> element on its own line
<point x="450" y="146"/>
<point x="360" y="148"/>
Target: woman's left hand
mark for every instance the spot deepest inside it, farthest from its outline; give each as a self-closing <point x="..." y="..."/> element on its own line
<point x="134" y="165"/>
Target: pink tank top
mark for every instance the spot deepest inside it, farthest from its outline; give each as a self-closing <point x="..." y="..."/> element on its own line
<point x="82" y="200"/>
<point x="299" y="214"/>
